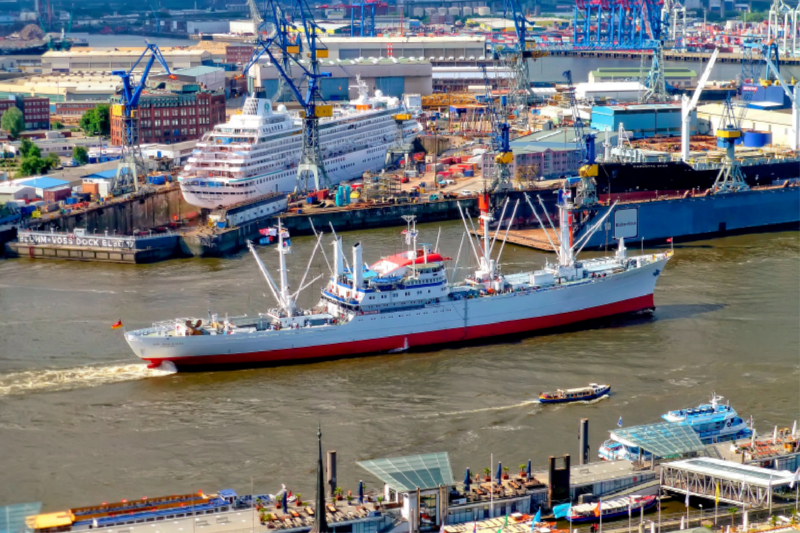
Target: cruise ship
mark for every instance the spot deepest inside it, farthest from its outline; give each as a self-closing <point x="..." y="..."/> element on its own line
<point x="258" y="151"/>
<point x="713" y="422"/>
<point x="406" y="301"/>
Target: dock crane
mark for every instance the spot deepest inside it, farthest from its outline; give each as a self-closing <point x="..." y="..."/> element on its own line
<point x="687" y="106"/>
<point x="516" y="59"/>
<point x="131" y="164"/>
<point x="311" y="161"/>
<point x="773" y="66"/>
<point x="500" y="136"/>
<point x="587" y="190"/>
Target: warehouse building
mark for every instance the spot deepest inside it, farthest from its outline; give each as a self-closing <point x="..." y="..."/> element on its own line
<point x="677" y="77"/>
<point x="55" y="142"/>
<point x="89" y="59"/>
<point x="394" y="77"/>
<point x="210" y="78"/>
<point x="170" y="117"/>
<point x="80" y="86"/>
<point x="35" y="110"/>
<point x="778" y="124"/>
<point x="431" y="48"/>
<point x="641" y="120"/>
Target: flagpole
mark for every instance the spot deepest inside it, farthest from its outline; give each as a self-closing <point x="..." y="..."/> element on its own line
<point x="491" y="480"/>
<point x="629" y="515"/>
<point x="601" y="515"/>
<point x="660" y="481"/>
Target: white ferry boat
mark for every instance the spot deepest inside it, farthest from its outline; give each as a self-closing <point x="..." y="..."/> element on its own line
<point x="257" y="152"/>
<point x="713" y="422"/>
<point x="406" y="301"/>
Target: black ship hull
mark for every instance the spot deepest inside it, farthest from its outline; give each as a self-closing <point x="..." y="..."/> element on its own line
<point x="680" y="176"/>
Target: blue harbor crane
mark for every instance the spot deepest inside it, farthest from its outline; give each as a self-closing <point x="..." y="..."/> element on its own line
<point x="586" y="144"/>
<point x="497" y="109"/>
<point x="131" y="165"/>
<point x="312" y="103"/>
<point x="364" y="25"/>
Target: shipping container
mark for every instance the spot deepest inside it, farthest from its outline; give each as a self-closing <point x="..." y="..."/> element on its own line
<point x="56" y="195"/>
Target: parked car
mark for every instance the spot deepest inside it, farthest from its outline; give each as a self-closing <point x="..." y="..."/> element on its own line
<point x="466" y="192"/>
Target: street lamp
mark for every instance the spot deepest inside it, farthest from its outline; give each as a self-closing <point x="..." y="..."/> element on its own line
<point x="701" y="513"/>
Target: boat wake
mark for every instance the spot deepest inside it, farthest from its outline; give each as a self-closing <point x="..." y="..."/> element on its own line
<point x="596" y="400"/>
<point x="481" y="410"/>
<point x="74" y="378"/>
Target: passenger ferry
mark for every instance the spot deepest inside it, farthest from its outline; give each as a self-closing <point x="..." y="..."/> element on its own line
<point x="258" y="151"/>
<point x="581" y="394"/>
<point x="713" y="422"/>
<point x="407" y="301"/>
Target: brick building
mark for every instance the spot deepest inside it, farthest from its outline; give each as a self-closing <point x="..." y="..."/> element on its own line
<point x="35" y="110"/>
<point x="167" y="117"/>
<point x="238" y="53"/>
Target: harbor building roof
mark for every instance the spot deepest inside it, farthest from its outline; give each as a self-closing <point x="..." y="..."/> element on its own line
<point x="19" y="517"/>
<point x="730" y="471"/>
<point x="665" y="439"/>
<point x="404" y="474"/>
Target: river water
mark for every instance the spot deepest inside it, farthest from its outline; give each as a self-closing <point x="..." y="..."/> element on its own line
<point x="81" y="421"/>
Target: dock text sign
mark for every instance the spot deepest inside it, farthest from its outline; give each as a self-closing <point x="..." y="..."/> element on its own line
<point x="626" y="223"/>
<point x="70" y="239"/>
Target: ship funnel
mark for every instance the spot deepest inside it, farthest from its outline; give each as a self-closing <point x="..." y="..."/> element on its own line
<point x="338" y="255"/>
<point x="358" y="267"/>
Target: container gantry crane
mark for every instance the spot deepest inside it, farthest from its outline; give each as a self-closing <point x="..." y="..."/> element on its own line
<point x="314" y="107"/>
<point x="131" y="164"/>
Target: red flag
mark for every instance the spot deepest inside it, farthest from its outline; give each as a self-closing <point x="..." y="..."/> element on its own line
<point x="669" y="240"/>
<point x="117" y="324"/>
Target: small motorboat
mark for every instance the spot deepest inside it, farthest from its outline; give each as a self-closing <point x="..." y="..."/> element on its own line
<point x="580" y="394"/>
<point x="590" y="512"/>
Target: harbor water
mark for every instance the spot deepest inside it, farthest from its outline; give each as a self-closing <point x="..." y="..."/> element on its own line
<point x="82" y="421"/>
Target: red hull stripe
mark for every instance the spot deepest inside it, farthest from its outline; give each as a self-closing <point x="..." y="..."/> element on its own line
<point x="417" y="339"/>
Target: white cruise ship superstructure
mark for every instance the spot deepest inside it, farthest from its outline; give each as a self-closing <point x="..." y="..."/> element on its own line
<point x="257" y="152"/>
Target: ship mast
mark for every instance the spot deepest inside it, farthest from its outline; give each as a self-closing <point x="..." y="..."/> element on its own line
<point x="287" y="302"/>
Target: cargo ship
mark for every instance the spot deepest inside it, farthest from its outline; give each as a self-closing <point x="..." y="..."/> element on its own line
<point x="672" y="199"/>
<point x="406" y="301"/>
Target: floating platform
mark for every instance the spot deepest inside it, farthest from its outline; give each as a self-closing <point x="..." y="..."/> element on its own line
<point x="683" y="217"/>
<point x="80" y="246"/>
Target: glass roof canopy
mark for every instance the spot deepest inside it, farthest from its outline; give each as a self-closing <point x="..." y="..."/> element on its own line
<point x="665" y="439"/>
<point x="406" y="474"/>
<point x="19" y="518"/>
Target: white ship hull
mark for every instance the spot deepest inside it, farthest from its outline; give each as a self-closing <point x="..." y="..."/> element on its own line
<point x="448" y="322"/>
<point x="340" y="168"/>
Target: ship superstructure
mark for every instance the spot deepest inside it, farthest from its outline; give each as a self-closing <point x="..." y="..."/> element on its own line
<point x="407" y="301"/>
<point x="257" y="152"/>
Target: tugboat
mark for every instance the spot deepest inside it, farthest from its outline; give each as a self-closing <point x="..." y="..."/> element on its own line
<point x="581" y="394"/>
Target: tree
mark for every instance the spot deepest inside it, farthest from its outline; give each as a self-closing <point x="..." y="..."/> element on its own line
<point x="57" y="125"/>
<point x="96" y="121"/>
<point x="25" y="147"/>
<point x="54" y="158"/>
<point x="80" y="155"/>
<point x="12" y="122"/>
<point x="33" y="165"/>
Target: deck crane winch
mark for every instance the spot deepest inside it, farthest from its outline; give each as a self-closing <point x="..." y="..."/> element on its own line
<point x="131" y="164"/>
<point x="587" y="191"/>
<point x="311" y="161"/>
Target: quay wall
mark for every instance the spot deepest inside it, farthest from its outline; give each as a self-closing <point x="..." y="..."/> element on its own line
<point x="137" y="213"/>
